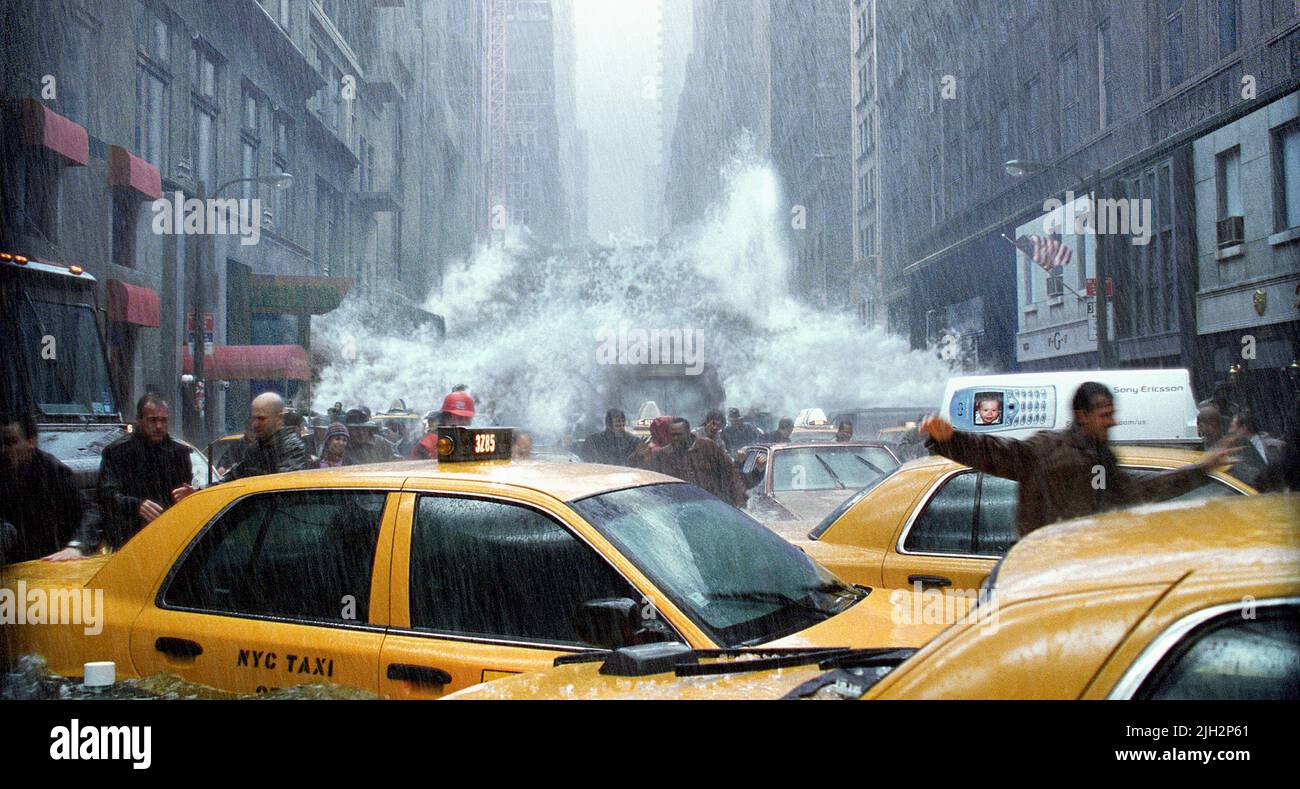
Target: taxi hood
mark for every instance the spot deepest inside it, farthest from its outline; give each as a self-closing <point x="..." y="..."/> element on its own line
<point x="874" y="622"/>
<point x="1157" y="543"/>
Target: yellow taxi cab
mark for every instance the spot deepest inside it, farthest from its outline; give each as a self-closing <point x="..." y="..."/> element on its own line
<point x="412" y="580"/>
<point x="938" y="523"/>
<point x="1180" y="600"/>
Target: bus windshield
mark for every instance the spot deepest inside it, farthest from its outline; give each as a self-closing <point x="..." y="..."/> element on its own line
<point x="62" y="357"/>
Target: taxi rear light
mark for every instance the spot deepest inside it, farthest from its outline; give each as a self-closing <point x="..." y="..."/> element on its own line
<point x="6" y="256"/>
<point x="20" y="260"/>
<point x="75" y="269"/>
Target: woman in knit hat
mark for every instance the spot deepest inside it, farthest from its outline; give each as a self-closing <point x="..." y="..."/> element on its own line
<point x="336" y="440"/>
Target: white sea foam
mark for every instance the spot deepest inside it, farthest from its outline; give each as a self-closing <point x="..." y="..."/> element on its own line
<point x="523" y="331"/>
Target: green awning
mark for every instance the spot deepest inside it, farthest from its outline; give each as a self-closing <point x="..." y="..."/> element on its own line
<point x="297" y="295"/>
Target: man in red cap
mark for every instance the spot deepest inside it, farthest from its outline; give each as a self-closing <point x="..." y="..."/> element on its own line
<point x="457" y="411"/>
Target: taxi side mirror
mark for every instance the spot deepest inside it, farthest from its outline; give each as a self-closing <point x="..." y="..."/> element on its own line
<point x="615" y="622"/>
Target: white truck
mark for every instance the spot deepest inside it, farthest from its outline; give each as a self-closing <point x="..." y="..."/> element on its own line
<point x="1152" y="407"/>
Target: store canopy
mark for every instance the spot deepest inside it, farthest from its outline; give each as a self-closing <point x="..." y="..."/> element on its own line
<point x="127" y="169"/>
<point x="133" y="304"/>
<point x="44" y="127"/>
<point x="297" y="295"/>
<point x="242" y="362"/>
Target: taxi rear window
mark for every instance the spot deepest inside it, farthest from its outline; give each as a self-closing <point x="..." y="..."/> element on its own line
<point x="817" y="531"/>
<point x="291" y="554"/>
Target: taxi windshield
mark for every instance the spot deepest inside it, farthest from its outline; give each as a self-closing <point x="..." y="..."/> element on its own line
<point x="828" y="467"/>
<point x="738" y="581"/>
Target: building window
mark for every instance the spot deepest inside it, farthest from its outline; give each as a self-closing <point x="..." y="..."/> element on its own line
<point x="250" y="141"/>
<point x="1004" y="127"/>
<point x="1148" y="305"/>
<point x="41" y="171"/>
<point x="152" y="85"/>
<point x="1068" y="80"/>
<point x="152" y="111"/>
<point x="279" y="11"/>
<point x="1174" y="40"/>
<point x="78" y="73"/>
<point x="203" y="116"/>
<point x="1286" y="172"/>
<point x="1033" y="123"/>
<point x="1227" y="168"/>
<point x="329" y="103"/>
<point x="328" y="222"/>
<point x="126" y="212"/>
<point x="1105" y="93"/>
<point x="397" y="244"/>
<point x="1228" y="11"/>
<point x="282" y="159"/>
<point x="955" y="167"/>
<point x="936" y="212"/>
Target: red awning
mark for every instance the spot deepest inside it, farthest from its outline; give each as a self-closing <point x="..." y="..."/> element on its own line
<point x="127" y="169"/>
<point x="133" y="304"/>
<point x="44" y="127"/>
<point x="241" y="362"/>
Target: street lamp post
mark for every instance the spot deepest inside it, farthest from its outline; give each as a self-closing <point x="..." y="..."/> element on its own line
<point x="279" y="181"/>
<point x="1017" y="168"/>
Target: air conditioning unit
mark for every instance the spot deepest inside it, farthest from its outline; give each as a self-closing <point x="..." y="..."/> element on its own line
<point x="1231" y="230"/>
<point x="1055" y="286"/>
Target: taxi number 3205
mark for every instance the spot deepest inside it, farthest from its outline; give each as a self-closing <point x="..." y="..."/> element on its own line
<point x="485" y="442"/>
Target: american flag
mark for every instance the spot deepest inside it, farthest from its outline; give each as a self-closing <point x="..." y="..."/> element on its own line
<point x="1049" y="252"/>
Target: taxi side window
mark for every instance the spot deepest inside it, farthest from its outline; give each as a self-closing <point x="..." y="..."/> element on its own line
<point x="1233" y="657"/>
<point x="485" y="568"/>
<point x="945" y="525"/>
<point x="1210" y="489"/>
<point x="296" y="555"/>
<point x="995" y="528"/>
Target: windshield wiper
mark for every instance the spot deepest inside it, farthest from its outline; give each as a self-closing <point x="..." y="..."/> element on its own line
<point x="869" y="464"/>
<point x="827" y="466"/>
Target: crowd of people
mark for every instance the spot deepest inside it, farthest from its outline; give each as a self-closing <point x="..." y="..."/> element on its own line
<point x="143" y="473"/>
<point x="710" y="456"/>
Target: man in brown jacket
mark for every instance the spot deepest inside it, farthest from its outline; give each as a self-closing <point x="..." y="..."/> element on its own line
<point x="698" y="461"/>
<point x="1067" y="473"/>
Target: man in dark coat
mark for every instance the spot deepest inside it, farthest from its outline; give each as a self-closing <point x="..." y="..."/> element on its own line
<point x="40" y="508"/>
<point x="712" y="430"/>
<point x="784" y="429"/>
<point x="1067" y="473"/>
<point x="738" y="433"/>
<point x="1257" y="449"/>
<point x="613" y="445"/>
<point x="142" y="474"/>
<point x="700" y="462"/>
<point x="365" y="446"/>
<point x="275" y="448"/>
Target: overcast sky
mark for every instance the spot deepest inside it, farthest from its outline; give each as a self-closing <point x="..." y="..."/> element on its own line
<point x="615" y="49"/>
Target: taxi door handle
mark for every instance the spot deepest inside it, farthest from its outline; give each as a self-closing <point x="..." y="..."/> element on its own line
<point x="928" y="580"/>
<point x="178" y="647"/>
<point x="424" y="675"/>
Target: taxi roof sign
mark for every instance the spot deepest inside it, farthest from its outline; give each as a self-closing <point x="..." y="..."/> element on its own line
<point x="474" y="444"/>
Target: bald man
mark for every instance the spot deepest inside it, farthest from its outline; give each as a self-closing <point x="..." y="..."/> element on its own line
<point x="275" y="447"/>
